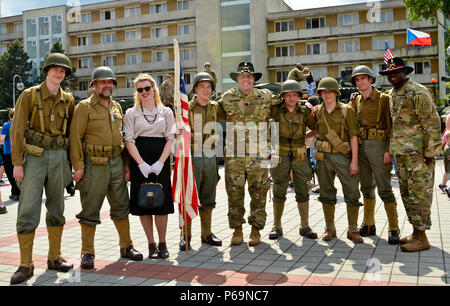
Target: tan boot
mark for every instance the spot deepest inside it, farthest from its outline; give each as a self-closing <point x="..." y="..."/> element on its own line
<point x="409" y="238"/>
<point x="419" y="243"/>
<point x="277" y="230"/>
<point x="55" y="260"/>
<point x="394" y="231"/>
<point x="368" y="225"/>
<point x="330" y="229"/>
<point x="205" y="222"/>
<point x="352" y="216"/>
<point x="123" y="229"/>
<point x="255" y="237"/>
<point x="26" y="267"/>
<point x="238" y="236"/>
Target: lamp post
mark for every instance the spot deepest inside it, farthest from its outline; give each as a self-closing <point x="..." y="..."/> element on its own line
<point x="20" y="87"/>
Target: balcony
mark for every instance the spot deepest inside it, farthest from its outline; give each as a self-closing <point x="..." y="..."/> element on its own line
<point x="143" y="20"/>
<point x="11" y="36"/>
<point x="128" y="46"/>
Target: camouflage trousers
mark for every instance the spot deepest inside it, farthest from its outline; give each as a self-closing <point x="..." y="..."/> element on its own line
<point x="416" y="188"/>
<point x="238" y="171"/>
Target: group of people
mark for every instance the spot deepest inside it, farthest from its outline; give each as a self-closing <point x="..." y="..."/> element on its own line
<point x="108" y="148"/>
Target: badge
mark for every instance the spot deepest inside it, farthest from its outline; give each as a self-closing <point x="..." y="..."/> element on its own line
<point x="112" y="117"/>
<point x="52" y="117"/>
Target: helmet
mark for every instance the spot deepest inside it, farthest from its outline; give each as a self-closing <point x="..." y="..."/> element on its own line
<point x="290" y="86"/>
<point x="103" y="73"/>
<point x="57" y="59"/>
<point x="359" y="70"/>
<point x="328" y="83"/>
<point x="207" y="64"/>
<point x="203" y="76"/>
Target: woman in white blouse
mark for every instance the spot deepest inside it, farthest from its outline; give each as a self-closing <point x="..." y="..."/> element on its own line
<point x="149" y="132"/>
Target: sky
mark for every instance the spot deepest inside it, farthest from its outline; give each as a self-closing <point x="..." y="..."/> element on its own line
<point x="15" y="7"/>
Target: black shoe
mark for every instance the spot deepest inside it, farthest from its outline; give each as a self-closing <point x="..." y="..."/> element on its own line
<point x="87" y="261"/>
<point x="442" y="187"/>
<point x="131" y="253"/>
<point x="162" y="250"/>
<point x="212" y="240"/>
<point x="71" y="190"/>
<point x="364" y="230"/>
<point x="14" y="197"/>
<point x="308" y="233"/>
<point x="182" y="244"/>
<point x="152" y="251"/>
<point x="275" y="233"/>
<point x="3" y="210"/>
<point x="393" y="237"/>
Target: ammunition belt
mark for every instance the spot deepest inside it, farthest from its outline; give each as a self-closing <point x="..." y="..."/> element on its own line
<point x="373" y="134"/>
<point x="46" y="142"/>
<point x="326" y="147"/>
<point x="102" y="151"/>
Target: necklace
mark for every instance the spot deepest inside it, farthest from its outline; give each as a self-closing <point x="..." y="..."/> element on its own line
<point x="150" y="122"/>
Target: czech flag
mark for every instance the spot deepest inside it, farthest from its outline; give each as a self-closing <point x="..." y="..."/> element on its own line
<point x="417" y="38"/>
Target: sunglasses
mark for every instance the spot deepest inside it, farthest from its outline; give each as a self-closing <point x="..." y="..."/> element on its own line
<point x="141" y="90"/>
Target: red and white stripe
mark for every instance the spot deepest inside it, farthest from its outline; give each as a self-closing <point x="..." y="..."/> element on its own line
<point x="387" y="54"/>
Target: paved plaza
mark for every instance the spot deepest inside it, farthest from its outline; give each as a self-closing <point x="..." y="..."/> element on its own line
<point x="289" y="261"/>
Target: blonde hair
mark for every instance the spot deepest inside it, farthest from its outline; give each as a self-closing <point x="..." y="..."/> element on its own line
<point x="142" y="78"/>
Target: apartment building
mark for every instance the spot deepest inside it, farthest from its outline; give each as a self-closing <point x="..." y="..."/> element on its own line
<point x="11" y="29"/>
<point x="335" y="39"/>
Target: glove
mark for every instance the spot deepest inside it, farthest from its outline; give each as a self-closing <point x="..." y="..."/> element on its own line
<point x="157" y="167"/>
<point x="145" y="169"/>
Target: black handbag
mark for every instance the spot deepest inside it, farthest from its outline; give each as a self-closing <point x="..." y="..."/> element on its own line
<point x="151" y="196"/>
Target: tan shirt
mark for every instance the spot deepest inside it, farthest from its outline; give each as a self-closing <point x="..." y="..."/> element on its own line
<point x="94" y="123"/>
<point x="334" y="119"/>
<point x="54" y="107"/>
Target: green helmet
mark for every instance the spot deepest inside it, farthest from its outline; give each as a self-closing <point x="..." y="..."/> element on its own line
<point x="57" y="59"/>
<point x="359" y="70"/>
<point x="203" y="76"/>
<point x="103" y="73"/>
<point x="290" y="86"/>
<point x="328" y="83"/>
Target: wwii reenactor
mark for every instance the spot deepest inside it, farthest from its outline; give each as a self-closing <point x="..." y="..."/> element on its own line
<point x="96" y="154"/>
<point x="42" y="117"/>
<point x="296" y="74"/>
<point x="415" y="141"/>
<point x="167" y="92"/>
<point x="207" y="68"/>
<point x="374" y="159"/>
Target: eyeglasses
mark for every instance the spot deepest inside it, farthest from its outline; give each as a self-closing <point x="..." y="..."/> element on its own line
<point x="141" y="90"/>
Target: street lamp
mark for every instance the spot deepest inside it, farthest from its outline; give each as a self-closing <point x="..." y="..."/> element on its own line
<point x="20" y="87"/>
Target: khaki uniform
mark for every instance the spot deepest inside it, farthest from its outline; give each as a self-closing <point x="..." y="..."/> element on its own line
<point x="296" y="75"/>
<point x="415" y="136"/>
<point x="166" y="94"/>
<point x="243" y="159"/>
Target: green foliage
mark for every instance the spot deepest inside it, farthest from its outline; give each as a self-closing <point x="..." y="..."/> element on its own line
<point x="426" y="9"/>
<point x="13" y="62"/>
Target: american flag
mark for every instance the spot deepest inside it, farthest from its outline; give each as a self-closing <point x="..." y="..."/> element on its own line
<point x="184" y="190"/>
<point x="387" y="53"/>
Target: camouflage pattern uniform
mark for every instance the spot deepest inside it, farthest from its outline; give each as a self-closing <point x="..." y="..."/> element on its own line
<point x="415" y="136"/>
<point x="167" y="94"/>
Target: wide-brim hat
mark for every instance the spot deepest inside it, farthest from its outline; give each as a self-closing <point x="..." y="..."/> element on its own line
<point x="396" y="64"/>
<point x="245" y="68"/>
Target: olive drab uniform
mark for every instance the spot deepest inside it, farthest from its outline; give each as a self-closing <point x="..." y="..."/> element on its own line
<point x="375" y="125"/>
<point x="334" y="159"/>
<point x="296" y="75"/>
<point x="415" y="136"/>
<point x="292" y="152"/>
<point x="43" y="121"/>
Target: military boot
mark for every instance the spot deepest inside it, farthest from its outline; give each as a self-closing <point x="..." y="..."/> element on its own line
<point x="238" y="236"/>
<point x="87" y="246"/>
<point x="409" y="238"/>
<point x="391" y="211"/>
<point x="305" y="230"/>
<point x="26" y="267"/>
<point x="277" y="230"/>
<point x="205" y="223"/>
<point x="368" y="225"/>
<point x="352" y="216"/>
<point x="419" y="243"/>
<point x="55" y="260"/>
<point x="330" y="229"/>
<point x="126" y="244"/>
<point x="186" y="228"/>
<point x="255" y="236"/>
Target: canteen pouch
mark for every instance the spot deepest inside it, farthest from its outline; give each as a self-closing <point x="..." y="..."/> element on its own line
<point x="343" y="148"/>
<point x="33" y="150"/>
<point x="151" y="196"/>
<point x="333" y="138"/>
<point x="300" y="154"/>
<point x="381" y="135"/>
<point x="99" y="161"/>
<point x="319" y="156"/>
<point x="372" y="134"/>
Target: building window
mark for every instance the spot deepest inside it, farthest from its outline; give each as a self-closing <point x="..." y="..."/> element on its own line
<point x="158" y="8"/>
<point x="317" y="48"/>
<point x="284" y="51"/>
<point x="84" y="40"/>
<point x="319" y="73"/>
<point x="133" y="35"/>
<point x="159" y="79"/>
<point x="3" y="29"/>
<point x="187" y="78"/>
<point x="134" y="59"/>
<point x="188" y="54"/>
<point x="378" y="43"/>
<point x="130" y="82"/>
<point x="84" y="18"/>
<point x="18" y="27"/>
<point x="185" y="29"/>
<point x="348" y="19"/>
<point x="108" y="38"/>
<point x="284" y="26"/>
<point x="83" y="85"/>
<point x="282" y="76"/>
<point x="345" y="71"/>
<point x="132" y="12"/>
<point x="159" y="32"/>
<point x="349" y="45"/>
<point x="421" y="67"/>
<point x="314" y="23"/>
<point x="107" y="15"/>
<point x="160" y="56"/>
<point x="382" y="16"/>
<point x="110" y="60"/>
<point x="185" y="5"/>
<point x="85" y="63"/>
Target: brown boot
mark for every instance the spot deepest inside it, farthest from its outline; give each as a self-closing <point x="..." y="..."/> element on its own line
<point x="255" y="237"/>
<point x="26" y="267"/>
<point x="329" y="234"/>
<point x="55" y="260"/>
<point x="355" y="237"/>
<point x="330" y="229"/>
<point x="419" y="243"/>
<point x="238" y="236"/>
<point x="409" y="238"/>
<point x="22" y="274"/>
<point x="353" y="232"/>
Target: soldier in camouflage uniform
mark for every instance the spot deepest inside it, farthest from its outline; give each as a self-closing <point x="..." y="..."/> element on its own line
<point x="374" y="160"/>
<point x="167" y="91"/>
<point x="244" y="109"/>
<point x="293" y="117"/>
<point x="415" y="141"/>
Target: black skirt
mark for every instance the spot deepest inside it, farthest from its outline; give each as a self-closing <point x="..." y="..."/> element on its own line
<point x="150" y="149"/>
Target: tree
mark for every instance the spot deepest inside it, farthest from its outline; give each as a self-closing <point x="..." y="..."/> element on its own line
<point x="426" y="9"/>
<point x="13" y="62"/>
